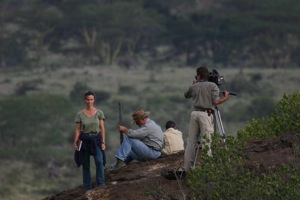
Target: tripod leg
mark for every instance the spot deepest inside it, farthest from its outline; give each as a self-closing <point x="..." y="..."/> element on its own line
<point x="196" y="155"/>
<point x="219" y="124"/>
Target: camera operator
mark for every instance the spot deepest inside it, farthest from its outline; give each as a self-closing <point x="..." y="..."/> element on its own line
<point x="205" y="96"/>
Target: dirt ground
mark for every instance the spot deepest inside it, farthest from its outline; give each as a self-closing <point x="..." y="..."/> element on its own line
<point x="143" y="180"/>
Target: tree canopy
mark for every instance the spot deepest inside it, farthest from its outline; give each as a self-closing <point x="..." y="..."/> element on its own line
<point x="234" y="33"/>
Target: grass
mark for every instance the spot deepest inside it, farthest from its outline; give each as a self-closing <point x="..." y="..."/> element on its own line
<point x="109" y="78"/>
<point x="164" y="81"/>
<point x="22" y="181"/>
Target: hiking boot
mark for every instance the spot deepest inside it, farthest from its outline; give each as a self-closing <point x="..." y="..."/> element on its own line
<point x="101" y="187"/>
<point x="119" y="164"/>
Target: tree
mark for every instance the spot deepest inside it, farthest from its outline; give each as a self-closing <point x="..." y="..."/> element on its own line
<point x="268" y="29"/>
<point x="45" y="17"/>
<point x="12" y="47"/>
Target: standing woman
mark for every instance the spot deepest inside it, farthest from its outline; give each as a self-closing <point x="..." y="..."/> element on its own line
<point x="91" y="131"/>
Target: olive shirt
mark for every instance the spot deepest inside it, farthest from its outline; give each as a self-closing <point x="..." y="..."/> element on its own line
<point x="89" y="124"/>
<point x="204" y="94"/>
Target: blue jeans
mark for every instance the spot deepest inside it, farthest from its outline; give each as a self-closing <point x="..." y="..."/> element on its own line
<point x="134" y="149"/>
<point x="98" y="159"/>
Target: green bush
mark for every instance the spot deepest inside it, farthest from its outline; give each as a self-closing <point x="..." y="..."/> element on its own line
<point x="26" y="86"/>
<point x="259" y="107"/>
<point x="13" y="52"/>
<point x="41" y="119"/>
<point x="254" y="86"/>
<point x="214" y="178"/>
<point x="126" y="89"/>
<point x="226" y="175"/>
<point x="77" y="94"/>
<point x="285" y="118"/>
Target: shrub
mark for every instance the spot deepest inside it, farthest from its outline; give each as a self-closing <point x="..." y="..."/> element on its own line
<point x="42" y="119"/>
<point x="76" y="94"/>
<point x="225" y="175"/>
<point x="260" y="107"/>
<point x="125" y="89"/>
<point x="25" y="86"/>
<point x="101" y="96"/>
<point x="254" y="86"/>
<point x="214" y="178"/>
<point x="241" y="85"/>
<point x="285" y="118"/>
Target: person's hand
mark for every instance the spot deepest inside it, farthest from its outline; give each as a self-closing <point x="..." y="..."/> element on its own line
<point x="123" y="129"/>
<point x="103" y="146"/>
<point x="226" y="94"/>
<point x="75" y="146"/>
<point x="197" y="79"/>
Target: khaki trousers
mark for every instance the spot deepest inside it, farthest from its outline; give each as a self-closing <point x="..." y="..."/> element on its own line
<point x="201" y="128"/>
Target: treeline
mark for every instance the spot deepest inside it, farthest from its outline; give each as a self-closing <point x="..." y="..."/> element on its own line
<point x="224" y="33"/>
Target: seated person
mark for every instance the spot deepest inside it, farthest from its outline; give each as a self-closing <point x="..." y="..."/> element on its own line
<point x="144" y="143"/>
<point x="173" y="139"/>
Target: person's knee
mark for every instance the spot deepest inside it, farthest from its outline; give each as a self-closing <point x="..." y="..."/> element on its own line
<point x="99" y="163"/>
<point x="129" y="139"/>
<point x="99" y="160"/>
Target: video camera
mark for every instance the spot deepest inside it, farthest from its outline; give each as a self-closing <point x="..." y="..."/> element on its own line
<point x="218" y="79"/>
<point x="215" y="78"/>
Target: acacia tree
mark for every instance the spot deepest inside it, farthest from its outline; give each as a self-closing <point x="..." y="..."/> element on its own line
<point x="278" y="36"/>
<point x="39" y="19"/>
<point x="234" y="32"/>
<point x="3" y="14"/>
<point x="12" y="50"/>
<point x="268" y="29"/>
<point x="109" y="30"/>
<point x="226" y="32"/>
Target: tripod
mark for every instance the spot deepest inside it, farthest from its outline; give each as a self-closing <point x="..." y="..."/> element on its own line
<point x="219" y="124"/>
<point x="220" y="128"/>
<point x="218" y="121"/>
